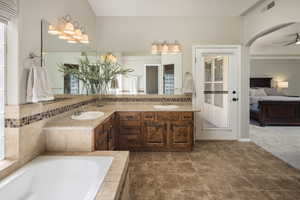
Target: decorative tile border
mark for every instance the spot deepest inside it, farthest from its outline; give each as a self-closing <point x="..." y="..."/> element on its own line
<point x="147" y="99"/>
<point x="17" y="123"/>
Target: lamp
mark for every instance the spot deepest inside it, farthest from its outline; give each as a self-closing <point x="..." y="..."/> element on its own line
<point x="283" y="84"/>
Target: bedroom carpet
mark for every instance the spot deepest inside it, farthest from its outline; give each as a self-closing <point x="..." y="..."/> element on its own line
<point x="213" y="171"/>
<point x="281" y="141"/>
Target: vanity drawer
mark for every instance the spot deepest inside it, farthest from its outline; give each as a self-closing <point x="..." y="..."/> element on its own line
<point x="129" y="116"/>
<point x="167" y="116"/>
<point x="149" y="116"/>
<point x="187" y="116"/>
<point x="130" y="127"/>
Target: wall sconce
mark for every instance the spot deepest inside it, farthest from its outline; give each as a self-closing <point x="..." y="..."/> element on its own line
<point x="283" y="84"/>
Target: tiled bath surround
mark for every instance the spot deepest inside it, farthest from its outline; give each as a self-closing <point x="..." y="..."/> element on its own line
<point x="24" y="138"/>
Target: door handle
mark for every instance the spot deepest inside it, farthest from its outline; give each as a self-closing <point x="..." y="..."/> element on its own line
<point x="235" y="99"/>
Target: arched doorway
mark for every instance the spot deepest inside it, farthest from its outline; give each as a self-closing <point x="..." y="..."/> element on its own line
<point x="277" y="139"/>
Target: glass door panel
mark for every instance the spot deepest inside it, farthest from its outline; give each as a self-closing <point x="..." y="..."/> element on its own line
<point x="215" y="107"/>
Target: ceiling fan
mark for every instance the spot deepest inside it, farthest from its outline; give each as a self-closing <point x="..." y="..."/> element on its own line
<point x="294" y="41"/>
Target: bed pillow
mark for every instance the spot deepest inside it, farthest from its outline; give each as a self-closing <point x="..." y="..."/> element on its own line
<point x="258" y="92"/>
<point x="272" y="92"/>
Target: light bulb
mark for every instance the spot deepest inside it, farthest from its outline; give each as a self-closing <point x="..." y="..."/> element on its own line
<point x="63" y="36"/>
<point x="53" y="30"/>
<point x="154" y="48"/>
<point x="85" y="39"/>
<point x="69" y="28"/>
<point x="78" y="34"/>
<point x="72" y="41"/>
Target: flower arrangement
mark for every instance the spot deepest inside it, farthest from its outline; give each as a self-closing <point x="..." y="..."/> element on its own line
<point x="98" y="77"/>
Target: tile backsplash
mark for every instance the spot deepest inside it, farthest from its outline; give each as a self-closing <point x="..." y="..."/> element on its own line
<point x="26" y="120"/>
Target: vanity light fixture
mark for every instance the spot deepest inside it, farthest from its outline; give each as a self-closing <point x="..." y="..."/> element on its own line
<point x="165" y="48"/>
<point x="69" y="30"/>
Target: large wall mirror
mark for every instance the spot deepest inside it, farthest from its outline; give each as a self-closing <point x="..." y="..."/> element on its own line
<point x="149" y="73"/>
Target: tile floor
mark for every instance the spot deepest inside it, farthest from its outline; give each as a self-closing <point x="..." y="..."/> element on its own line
<point x="281" y="141"/>
<point x="213" y="171"/>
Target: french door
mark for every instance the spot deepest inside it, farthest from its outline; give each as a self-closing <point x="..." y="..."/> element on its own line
<point x="217" y="92"/>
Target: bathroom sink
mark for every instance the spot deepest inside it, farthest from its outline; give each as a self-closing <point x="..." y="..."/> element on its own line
<point x="165" y="107"/>
<point x="88" y="115"/>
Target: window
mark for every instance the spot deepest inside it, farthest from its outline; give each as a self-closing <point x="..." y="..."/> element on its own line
<point x="2" y="86"/>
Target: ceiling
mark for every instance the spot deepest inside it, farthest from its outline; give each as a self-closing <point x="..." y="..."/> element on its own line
<point x="273" y="44"/>
<point x="171" y="7"/>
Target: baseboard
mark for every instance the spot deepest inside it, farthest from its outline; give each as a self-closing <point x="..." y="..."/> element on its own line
<point x="244" y="140"/>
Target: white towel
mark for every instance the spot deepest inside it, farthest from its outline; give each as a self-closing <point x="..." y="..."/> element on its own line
<point x="38" y="85"/>
<point x="188" y="84"/>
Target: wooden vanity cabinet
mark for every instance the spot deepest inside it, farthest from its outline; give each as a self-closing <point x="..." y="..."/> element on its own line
<point x="146" y="131"/>
<point x="100" y="138"/>
<point x="108" y="128"/>
<point x="130" y="131"/>
<point x="105" y="135"/>
<point x="168" y="131"/>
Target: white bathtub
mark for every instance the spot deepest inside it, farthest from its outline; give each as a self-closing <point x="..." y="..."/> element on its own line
<point x="56" y="178"/>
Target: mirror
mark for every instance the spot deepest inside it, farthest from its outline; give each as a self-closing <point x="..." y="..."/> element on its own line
<point x="150" y="74"/>
<point x="57" y="52"/>
<point x="153" y="74"/>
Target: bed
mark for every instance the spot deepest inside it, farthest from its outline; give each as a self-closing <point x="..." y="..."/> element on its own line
<point x="273" y="109"/>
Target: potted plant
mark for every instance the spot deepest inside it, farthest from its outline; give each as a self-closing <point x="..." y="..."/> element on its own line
<point x="97" y="77"/>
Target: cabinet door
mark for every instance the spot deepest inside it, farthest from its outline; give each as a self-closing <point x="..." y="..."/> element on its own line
<point x="181" y="135"/>
<point x="155" y="134"/>
<point x="108" y="127"/>
<point x="100" y="139"/>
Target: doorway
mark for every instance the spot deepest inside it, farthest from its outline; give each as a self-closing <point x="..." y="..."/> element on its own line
<point x="217" y="92"/>
<point x="152" y="79"/>
<point x="168" y="79"/>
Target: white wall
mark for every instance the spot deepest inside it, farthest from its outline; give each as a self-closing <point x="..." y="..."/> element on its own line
<point x="133" y="34"/>
<point x="279" y="70"/>
<point x="28" y="27"/>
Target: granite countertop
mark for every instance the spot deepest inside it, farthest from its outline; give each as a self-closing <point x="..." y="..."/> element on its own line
<point x="65" y="122"/>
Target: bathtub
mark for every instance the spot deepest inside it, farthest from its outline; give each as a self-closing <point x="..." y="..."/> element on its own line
<point x="56" y="178"/>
